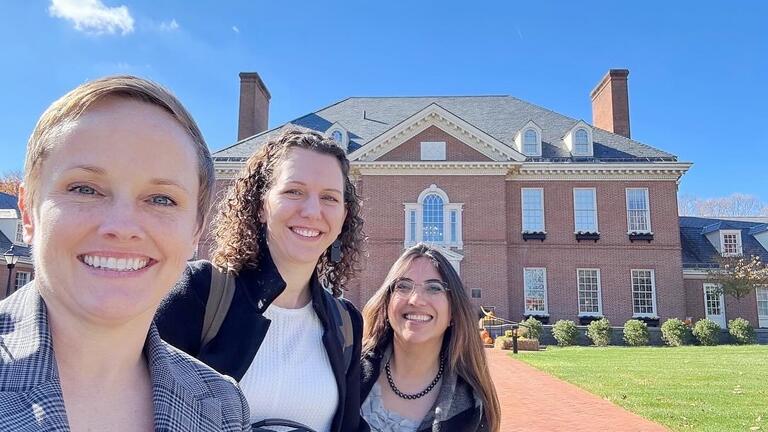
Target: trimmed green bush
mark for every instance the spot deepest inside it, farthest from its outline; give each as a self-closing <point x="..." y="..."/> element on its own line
<point x="535" y="327"/>
<point x="674" y="332"/>
<point x="565" y="332"/>
<point x="600" y="332"/>
<point x="741" y="331"/>
<point x="707" y="332"/>
<point x="635" y="333"/>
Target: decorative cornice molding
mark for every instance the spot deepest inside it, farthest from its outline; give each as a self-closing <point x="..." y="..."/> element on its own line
<point x="601" y="171"/>
<point x="435" y="115"/>
<point x="434" y="168"/>
<point x="514" y="171"/>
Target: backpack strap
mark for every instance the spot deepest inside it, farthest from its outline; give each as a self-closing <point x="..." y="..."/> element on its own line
<point x="344" y="329"/>
<point x="220" y="296"/>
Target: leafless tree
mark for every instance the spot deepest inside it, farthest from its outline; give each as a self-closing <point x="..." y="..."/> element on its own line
<point x="10" y="181"/>
<point x="734" y="205"/>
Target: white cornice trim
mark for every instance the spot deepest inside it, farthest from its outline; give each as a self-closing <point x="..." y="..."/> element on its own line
<point x="541" y="171"/>
<point x="435" y="115"/>
<point x="227" y="170"/>
<point x="434" y="168"/>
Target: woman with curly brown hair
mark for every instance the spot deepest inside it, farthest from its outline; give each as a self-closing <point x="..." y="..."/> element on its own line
<point x="288" y="235"/>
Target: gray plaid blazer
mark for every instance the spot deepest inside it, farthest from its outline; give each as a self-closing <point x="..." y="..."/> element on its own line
<point x="187" y="395"/>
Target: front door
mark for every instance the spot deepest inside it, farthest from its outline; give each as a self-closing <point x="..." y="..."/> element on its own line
<point x="714" y="304"/>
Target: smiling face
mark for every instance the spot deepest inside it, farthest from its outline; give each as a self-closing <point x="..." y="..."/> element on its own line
<point x="304" y="208"/>
<point x="423" y="316"/>
<point x="114" y="216"/>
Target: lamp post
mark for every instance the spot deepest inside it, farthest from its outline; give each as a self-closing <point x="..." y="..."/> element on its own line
<point x="10" y="259"/>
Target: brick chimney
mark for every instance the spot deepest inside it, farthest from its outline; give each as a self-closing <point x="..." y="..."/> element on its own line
<point x="254" y="105"/>
<point x="610" y="103"/>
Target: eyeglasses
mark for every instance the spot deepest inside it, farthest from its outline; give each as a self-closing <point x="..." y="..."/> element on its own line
<point x="406" y="287"/>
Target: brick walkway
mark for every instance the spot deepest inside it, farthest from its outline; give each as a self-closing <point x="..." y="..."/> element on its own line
<point x="533" y="401"/>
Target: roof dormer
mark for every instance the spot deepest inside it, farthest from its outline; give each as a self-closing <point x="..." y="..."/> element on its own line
<point x="726" y="241"/>
<point x="339" y="133"/>
<point x="528" y="139"/>
<point x="760" y="233"/>
<point x="578" y="140"/>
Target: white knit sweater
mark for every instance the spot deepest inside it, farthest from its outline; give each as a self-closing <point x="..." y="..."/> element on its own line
<point x="291" y="376"/>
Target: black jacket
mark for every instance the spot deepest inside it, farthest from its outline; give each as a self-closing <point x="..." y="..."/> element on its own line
<point x="180" y="321"/>
<point x="453" y="416"/>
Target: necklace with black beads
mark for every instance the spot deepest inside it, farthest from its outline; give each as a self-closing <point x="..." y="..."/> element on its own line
<point x="419" y="394"/>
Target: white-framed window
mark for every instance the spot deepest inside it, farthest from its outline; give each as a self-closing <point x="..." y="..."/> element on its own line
<point x="531" y="143"/>
<point x="533" y="209"/>
<point x="339" y="134"/>
<point x="643" y="293"/>
<point x="433" y="225"/>
<point x="731" y="242"/>
<point x="590" y="298"/>
<point x="581" y="141"/>
<point x="433" y="150"/>
<point x="585" y="210"/>
<point x="22" y="278"/>
<point x="762" y="306"/>
<point x="578" y="140"/>
<point x="535" y="286"/>
<point x="638" y="210"/>
<point x="19" y="233"/>
<point x="433" y="218"/>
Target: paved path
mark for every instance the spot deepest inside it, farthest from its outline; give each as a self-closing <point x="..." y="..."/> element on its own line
<point x="533" y="401"/>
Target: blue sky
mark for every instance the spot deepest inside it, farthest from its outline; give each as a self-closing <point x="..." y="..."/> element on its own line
<point x="697" y="81"/>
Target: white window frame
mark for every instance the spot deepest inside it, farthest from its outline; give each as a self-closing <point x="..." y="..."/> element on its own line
<point x="737" y="234"/>
<point x="570" y="139"/>
<point x="418" y="209"/>
<point x="524" y="228"/>
<point x="654" y="313"/>
<point x="520" y="139"/>
<point x="27" y="278"/>
<point x="594" y="211"/>
<point x="432" y="151"/>
<point x="526" y="290"/>
<point x="19" y="240"/>
<point x="761" y="297"/>
<point x="599" y="312"/>
<point x="647" y="210"/>
<point x="336" y="127"/>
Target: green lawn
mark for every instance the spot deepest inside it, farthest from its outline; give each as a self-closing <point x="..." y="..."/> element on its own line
<point x="721" y="388"/>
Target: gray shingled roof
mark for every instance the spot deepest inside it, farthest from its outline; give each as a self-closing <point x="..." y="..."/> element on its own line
<point x="6" y="243"/>
<point x="698" y="251"/>
<point x="499" y="116"/>
<point x="8" y="202"/>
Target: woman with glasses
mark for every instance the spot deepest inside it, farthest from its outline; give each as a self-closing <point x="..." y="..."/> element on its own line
<point x="423" y="364"/>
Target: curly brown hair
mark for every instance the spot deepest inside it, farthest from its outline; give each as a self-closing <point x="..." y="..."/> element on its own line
<point x="236" y="227"/>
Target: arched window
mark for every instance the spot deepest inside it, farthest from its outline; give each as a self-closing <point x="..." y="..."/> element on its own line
<point x="432" y="224"/>
<point x="582" y="142"/>
<point x="433" y="218"/>
<point x="530" y="143"/>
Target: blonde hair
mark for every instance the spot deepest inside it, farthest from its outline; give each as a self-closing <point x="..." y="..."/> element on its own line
<point x="237" y="228"/>
<point x="73" y="104"/>
<point x="465" y="352"/>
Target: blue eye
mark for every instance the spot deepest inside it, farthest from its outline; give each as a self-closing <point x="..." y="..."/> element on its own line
<point x="82" y="189"/>
<point x="162" y="200"/>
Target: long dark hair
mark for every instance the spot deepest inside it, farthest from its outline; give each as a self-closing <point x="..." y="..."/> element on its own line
<point x="465" y="352"/>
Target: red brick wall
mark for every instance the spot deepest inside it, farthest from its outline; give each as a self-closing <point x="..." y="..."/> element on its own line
<point x="455" y="150"/>
<point x="4" y="276"/>
<point x="745" y="308"/>
<point x="613" y="254"/>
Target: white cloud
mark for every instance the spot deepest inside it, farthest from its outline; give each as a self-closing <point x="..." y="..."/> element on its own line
<point x="235" y="29"/>
<point x="169" y="25"/>
<point x="92" y="16"/>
